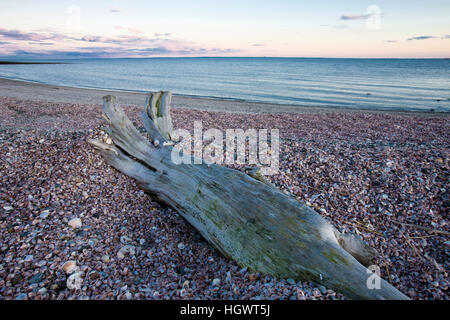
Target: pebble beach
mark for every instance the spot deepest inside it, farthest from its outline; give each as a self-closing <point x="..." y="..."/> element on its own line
<point x="72" y="227"/>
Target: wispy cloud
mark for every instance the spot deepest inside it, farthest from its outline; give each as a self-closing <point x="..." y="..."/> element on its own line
<point x="350" y="16"/>
<point x="257" y="45"/>
<point x="115" y="52"/>
<point x="26" y="44"/>
<point x="89" y="38"/>
<point x="418" y="38"/>
<point x="42" y="43"/>
<point x="136" y="38"/>
<point x="29" y="36"/>
<point x="421" y="38"/>
<point x="122" y="39"/>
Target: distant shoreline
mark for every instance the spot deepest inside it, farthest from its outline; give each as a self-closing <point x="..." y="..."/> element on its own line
<point x="35" y="91"/>
<point x="30" y="62"/>
<point x="243" y="57"/>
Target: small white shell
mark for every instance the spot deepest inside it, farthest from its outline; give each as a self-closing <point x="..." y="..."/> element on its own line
<point x="75" y="281"/>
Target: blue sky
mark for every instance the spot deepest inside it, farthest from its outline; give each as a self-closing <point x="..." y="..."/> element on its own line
<point x="320" y="28"/>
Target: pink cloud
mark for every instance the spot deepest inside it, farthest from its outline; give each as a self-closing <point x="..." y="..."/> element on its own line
<point x="30" y="44"/>
<point x="29" y="36"/>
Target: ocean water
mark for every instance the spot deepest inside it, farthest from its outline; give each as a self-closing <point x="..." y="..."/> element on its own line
<point x="382" y="84"/>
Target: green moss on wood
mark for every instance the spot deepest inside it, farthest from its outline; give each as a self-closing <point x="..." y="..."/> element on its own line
<point x="333" y="256"/>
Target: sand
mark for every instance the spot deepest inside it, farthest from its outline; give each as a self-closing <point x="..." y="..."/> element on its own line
<point x="42" y="92"/>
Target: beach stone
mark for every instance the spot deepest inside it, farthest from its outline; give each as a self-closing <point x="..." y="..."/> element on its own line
<point x="290" y="281"/>
<point x="54" y="287"/>
<point x="105" y="258"/>
<point x="69" y="267"/>
<point x="16" y="279"/>
<point x="22" y="296"/>
<point x="37" y="278"/>
<point x="252" y="277"/>
<point x="43" y="290"/>
<point x="94" y="275"/>
<point x="75" y="223"/>
<point x="8" y="208"/>
<point x="28" y="258"/>
<point x="124" y="250"/>
<point x="243" y="270"/>
<point x="75" y="281"/>
<point x="41" y="263"/>
<point x="44" y="214"/>
<point x="412" y="293"/>
<point x="322" y="289"/>
<point x="216" y="282"/>
<point x="124" y="239"/>
<point x="316" y="292"/>
<point x="181" y="246"/>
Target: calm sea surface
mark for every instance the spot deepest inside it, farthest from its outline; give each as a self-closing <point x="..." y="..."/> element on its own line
<point x="386" y="84"/>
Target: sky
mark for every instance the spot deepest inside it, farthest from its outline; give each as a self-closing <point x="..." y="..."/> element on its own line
<point x="244" y="28"/>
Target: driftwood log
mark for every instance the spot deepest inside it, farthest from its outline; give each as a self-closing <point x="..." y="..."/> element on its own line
<point x="241" y="215"/>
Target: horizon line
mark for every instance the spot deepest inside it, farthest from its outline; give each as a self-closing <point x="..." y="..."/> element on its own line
<point x="6" y="58"/>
